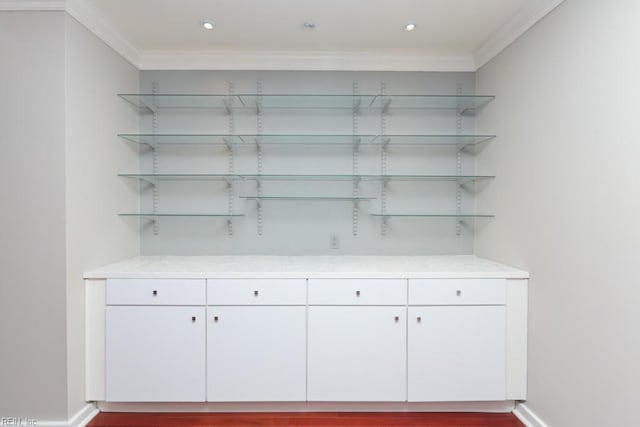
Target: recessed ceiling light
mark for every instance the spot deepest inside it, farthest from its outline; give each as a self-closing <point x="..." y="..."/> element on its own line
<point x="207" y="25"/>
<point x="410" y="27"/>
<point x="309" y="25"/>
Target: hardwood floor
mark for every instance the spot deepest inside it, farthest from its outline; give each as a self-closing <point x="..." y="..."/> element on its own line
<point x="314" y="419"/>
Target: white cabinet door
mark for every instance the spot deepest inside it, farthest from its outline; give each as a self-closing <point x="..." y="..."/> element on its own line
<point x="456" y="353"/>
<point x="357" y="354"/>
<point x="256" y="354"/>
<point x="155" y="354"/>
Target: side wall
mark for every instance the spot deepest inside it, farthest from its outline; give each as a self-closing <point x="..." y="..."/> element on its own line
<point x="567" y="204"/>
<point x="95" y="234"/>
<point x="33" y="363"/>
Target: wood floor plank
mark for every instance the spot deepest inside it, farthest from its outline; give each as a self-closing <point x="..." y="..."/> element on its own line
<point x="308" y="419"/>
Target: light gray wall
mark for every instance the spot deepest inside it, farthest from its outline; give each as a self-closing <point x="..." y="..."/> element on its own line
<point x="294" y="228"/>
<point x="567" y="204"/>
<point x="33" y="364"/>
<point x="95" y="235"/>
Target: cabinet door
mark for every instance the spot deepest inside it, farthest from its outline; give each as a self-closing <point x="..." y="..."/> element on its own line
<point x="155" y="354"/>
<point x="357" y="354"/>
<point x="456" y="353"/>
<point x="256" y="354"/>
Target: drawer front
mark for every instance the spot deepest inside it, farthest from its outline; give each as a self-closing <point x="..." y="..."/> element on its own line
<point x="357" y="291"/>
<point x="457" y="291"/>
<point x="256" y="292"/>
<point x="156" y="292"/>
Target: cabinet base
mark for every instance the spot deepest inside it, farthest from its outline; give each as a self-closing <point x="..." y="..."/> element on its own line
<point x="500" y="406"/>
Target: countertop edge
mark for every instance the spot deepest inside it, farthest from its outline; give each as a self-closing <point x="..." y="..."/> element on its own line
<point x="440" y="267"/>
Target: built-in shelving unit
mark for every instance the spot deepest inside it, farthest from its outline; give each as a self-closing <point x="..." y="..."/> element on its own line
<point x="354" y="104"/>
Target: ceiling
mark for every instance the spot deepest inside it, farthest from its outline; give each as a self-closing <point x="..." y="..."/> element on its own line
<point x="450" y="35"/>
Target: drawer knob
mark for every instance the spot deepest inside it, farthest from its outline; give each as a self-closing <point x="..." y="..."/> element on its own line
<point x="255" y="293"/>
<point x="419" y="319"/>
<point x="215" y="318"/>
<point x="357" y="293"/>
<point x="193" y="318"/>
<point x="458" y="293"/>
<point x="155" y="293"/>
<point x="397" y="318"/>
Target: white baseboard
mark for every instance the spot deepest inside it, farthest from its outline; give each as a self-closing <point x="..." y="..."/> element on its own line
<point x="500" y="406"/>
<point x="527" y="416"/>
<point x="80" y="419"/>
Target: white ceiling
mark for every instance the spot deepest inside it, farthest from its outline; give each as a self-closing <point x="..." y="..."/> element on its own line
<point x="451" y="35"/>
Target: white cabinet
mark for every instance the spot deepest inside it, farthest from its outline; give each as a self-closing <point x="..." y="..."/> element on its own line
<point x="155" y="354"/>
<point x="155" y="340"/>
<point x="357" y="354"/>
<point x="319" y="340"/>
<point x="456" y="340"/>
<point x="256" y="340"/>
<point x="256" y="354"/>
<point x="357" y="340"/>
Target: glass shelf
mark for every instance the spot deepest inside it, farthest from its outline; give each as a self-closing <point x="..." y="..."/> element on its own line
<point x="286" y="139"/>
<point x="434" y="215"/>
<point x="461" y="103"/>
<point x="198" y="215"/>
<point x="310" y="198"/>
<point x="298" y="177"/>
<point x="179" y="177"/>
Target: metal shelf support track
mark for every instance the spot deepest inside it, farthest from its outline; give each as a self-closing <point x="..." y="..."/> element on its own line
<point x="355" y="149"/>
<point x="383" y="156"/>
<point x="230" y="159"/>
<point x="259" y="131"/>
<point x="459" y="113"/>
<point x="155" y="161"/>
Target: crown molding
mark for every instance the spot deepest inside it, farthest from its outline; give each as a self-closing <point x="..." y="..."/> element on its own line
<point x="32" y="5"/>
<point x="95" y="21"/>
<point x="301" y="61"/>
<point x="89" y="16"/>
<point x="531" y="13"/>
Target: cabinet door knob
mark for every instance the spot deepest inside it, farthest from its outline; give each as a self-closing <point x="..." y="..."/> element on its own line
<point x="255" y="293"/>
<point x="155" y="293"/>
<point x="193" y="318"/>
<point x="397" y="318"/>
<point x="215" y="318"/>
<point x="458" y="292"/>
<point x="357" y="293"/>
<point x="419" y="319"/>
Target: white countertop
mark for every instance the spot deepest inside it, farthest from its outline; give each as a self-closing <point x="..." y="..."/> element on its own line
<point x="250" y="266"/>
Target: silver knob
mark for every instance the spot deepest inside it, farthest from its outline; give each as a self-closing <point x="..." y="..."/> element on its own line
<point x="255" y="293"/>
<point x="458" y="292"/>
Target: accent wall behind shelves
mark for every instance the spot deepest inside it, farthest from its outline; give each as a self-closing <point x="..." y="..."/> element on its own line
<point x="377" y="163"/>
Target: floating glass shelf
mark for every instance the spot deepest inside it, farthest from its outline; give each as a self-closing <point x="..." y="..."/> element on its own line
<point x="297" y="177"/>
<point x="434" y="215"/>
<point x="284" y="139"/>
<point x="310" y="198"/>
<point x="306" y="101"/>
<point x="202" y="215"/>
<point x="179" y="176"/>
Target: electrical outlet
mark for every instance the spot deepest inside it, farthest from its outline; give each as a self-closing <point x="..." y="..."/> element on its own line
<point x="334" y="241"/>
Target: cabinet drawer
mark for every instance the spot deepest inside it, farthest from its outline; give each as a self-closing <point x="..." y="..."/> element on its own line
<point x="457" y="291"/>
<point x="156" y="292"/>
<point x="357" y="291"/>
<point x="256" y="292"/>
